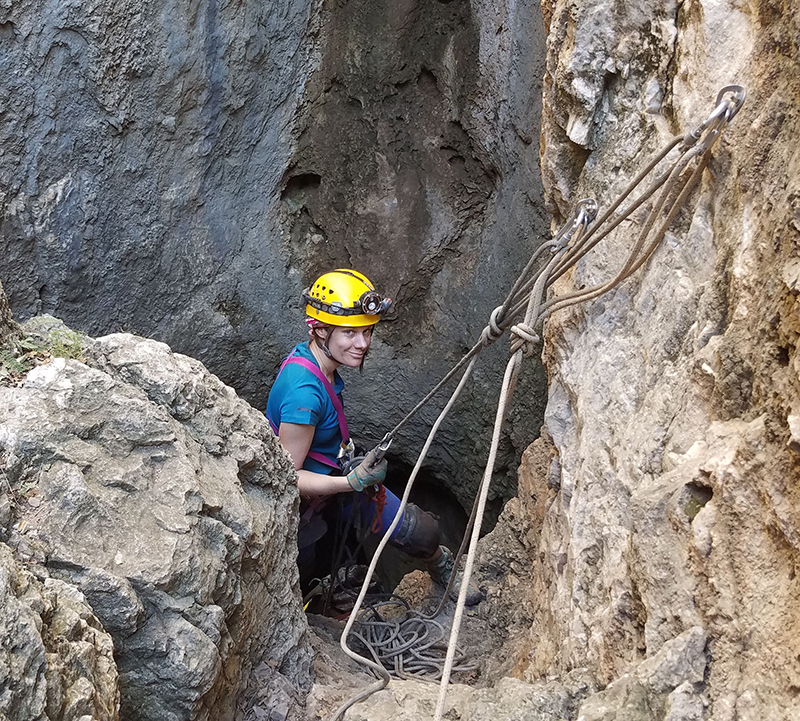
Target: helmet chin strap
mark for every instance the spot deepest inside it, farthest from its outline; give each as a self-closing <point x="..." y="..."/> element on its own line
<point x="325" y="349"/>
<point x="323" y="346"/>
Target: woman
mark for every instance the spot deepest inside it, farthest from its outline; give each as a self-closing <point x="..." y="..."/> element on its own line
<point x="304" y="409"/>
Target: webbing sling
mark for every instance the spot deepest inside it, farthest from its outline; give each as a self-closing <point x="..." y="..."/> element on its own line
<point x="337" y="405"/>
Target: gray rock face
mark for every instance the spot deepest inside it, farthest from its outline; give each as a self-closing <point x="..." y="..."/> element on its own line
<point x="183" y="171"/>
<point x="56" y="661"/>
<point x="510" y="700"/>
<point x="433" y="182"/>
<point x="7" y="324"/>
<point x="143" y="149"/>
<point x="672" y="399"/>
<point x="148" y="485"/>
<point x="652" y="690"/>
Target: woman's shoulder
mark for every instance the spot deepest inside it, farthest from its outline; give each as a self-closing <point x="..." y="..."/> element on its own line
<point x="295" y="375"/>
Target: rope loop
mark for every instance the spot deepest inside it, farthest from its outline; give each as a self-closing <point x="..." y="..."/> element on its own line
<point x="524" y="338"/>
<point x="493" y="331"/>
<point x="665" y="196"/>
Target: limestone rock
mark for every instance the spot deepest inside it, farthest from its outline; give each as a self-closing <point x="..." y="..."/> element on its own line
<point x="7" y="324"/>
<point x="168" y="502"/>
<point x="515" y="592"/>
<point x="643" y="693"/>
<point x="509" y="700"/>
<point x="56" y="661"/>
<point x="672" y="398"/>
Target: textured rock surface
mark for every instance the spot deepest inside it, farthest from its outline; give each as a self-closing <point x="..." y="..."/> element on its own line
<point x="146" y="483"/>
<point x="662" y="687"/>
<point x="433" y="182"/>
<point x="673" y="400"/>
<point x="509" y="700"/>
<point x="183" y="171"/>
<point x="658" y="552"/>
<point x="56" y="661"/>
<point x="143" y="149"/>
<point x="7" y="324"/>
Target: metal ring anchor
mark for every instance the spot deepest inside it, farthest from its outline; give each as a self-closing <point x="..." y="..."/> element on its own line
<point x="740" y="95"/>
<point x="724" y="108"/>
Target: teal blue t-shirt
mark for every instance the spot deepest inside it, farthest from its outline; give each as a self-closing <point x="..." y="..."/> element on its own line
<point x="298" y="396"/>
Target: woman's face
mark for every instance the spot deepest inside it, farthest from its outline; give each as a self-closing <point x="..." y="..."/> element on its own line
<point x="349" y="345"/>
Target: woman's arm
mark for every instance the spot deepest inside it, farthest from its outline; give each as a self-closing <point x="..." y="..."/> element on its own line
<point x="296" y="439"/>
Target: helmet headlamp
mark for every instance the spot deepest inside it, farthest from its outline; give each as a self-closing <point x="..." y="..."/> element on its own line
<point x="371" y="302"/>
<point x="344" y="297"/>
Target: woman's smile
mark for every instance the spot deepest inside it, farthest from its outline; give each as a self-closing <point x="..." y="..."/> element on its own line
<point x="348" y="346"/>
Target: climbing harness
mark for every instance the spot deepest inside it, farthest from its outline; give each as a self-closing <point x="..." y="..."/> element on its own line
<point x="347" y="448"/>
<point x="524" y="310"/>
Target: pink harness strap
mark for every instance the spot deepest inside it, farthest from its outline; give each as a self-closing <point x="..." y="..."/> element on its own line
<point x="337" y="405"/>
<point x="311" y="454"/>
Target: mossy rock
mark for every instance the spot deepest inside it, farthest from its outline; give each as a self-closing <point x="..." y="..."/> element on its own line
<point x="42" y="338"/>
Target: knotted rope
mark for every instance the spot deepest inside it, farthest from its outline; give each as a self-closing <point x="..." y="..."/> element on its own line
<point x="524" y="310"/>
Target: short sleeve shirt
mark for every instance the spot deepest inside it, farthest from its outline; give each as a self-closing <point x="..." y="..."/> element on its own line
<point x="298" y="396"/>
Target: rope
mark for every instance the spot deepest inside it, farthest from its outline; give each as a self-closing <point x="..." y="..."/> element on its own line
<point x="413" y="646"/>
<point x="380" y="503"/>
<point x="719" y="119"/>
<point x="570" y="245"/>
<point x="377" y="668"/>
<point x="473" y="545"/>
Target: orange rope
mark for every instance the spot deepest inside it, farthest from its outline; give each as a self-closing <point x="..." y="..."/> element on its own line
<point x="380" y="503"/>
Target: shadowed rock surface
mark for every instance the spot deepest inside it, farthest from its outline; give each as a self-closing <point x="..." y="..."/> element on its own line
<point x="183" y="171"/>
<point x="140" y="479"/>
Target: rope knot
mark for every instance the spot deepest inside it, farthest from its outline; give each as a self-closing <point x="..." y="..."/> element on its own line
<point x="493" y="331"/>
<point x="524" y="338"/>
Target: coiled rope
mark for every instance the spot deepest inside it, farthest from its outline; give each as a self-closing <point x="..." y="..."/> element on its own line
<point x="412" y="646"/>
<point x="521" y="313"/>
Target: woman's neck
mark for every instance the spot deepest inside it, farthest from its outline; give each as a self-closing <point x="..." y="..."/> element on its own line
<point x="327" y="365"/>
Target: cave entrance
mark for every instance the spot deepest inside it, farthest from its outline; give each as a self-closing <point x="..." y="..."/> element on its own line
<point x="430" y="494"/>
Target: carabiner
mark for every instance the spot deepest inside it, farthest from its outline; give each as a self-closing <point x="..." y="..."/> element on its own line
<point x="739" y="96"/>
<point x="584" y="213"/>
<point x="588" y="209"/>
<point x="383" y="446"/>
<point x="346" y="451"/>
<point x="723" y="108"/>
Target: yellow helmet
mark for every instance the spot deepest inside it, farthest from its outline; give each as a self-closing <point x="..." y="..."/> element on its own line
<point x="344" y="297"/>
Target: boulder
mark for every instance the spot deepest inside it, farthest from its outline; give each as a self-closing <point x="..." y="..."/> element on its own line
<point x="56" y="661"/>
<point x="144" y="482"/>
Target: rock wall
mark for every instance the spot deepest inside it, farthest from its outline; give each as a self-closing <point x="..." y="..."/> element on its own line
<point x="57" y="662"/>
<point x="7" y="324"/>
<point x="670" y="508"/>
<point x="143" y="146"/>
<point x="150" y="499"/>
<point x="183" y="170"/>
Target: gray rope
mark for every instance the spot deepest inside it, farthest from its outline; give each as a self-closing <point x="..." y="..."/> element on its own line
<point x="413" y="646"/>
<point x="389" y="643"/>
